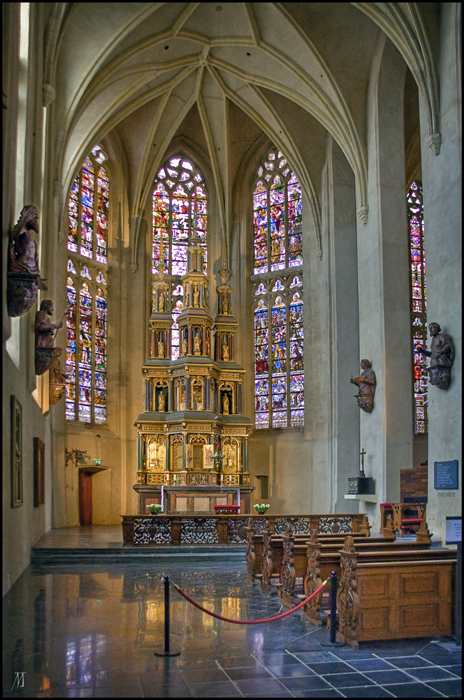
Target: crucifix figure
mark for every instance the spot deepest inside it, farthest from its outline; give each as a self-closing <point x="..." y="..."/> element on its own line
<point x="362" y="453"/>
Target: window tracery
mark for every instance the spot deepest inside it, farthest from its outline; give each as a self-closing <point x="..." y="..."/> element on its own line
<point x="180" y="210"/>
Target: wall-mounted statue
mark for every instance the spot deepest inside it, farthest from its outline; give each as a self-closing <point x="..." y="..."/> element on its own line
<point x="196" y="297"/>
<point x="57" y="378"/>
<point x="366" y="384"/>
<point x="160" y="348"/>
<point x="23" y="275"/>
<point x="184" y="347"/>
<point x="44" y="337"/>
<point x="161" y="303"/>
<point x="442" y="357"/>
<point x="225" y="404"/>
<point x="225" y="303"/>
<point x="196" y="345"/>
<point x="225" y="351"/>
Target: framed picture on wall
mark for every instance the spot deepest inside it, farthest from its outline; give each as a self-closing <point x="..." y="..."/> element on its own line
<point x="16" y="453"/>
<point x="39" y="472"/>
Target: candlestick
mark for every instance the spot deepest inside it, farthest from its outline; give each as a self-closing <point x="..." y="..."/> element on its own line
<point x="162" y="495"/>
<point x="238" y="498"/>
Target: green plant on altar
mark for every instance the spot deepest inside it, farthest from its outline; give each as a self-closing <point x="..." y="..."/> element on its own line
<point x="262" y="509"/>
<point x="154" y="508"/>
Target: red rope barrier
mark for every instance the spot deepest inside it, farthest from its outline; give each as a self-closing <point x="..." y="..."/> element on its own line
<point x="248" y="622"/>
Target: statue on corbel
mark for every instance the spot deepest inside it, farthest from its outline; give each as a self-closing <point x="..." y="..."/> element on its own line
<point x="23" y="274"/>
<point x="366" y="383"/>
<point x="442" y="357"/>
<point x="45" y="352"/>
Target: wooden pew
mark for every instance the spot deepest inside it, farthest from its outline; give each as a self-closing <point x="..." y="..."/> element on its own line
<point x="358" y="524"/>
<point x="390" y="599"/>
<point x="321" y="564"/>
<point x="296" y="555"/>
<point x="272" y="550"/>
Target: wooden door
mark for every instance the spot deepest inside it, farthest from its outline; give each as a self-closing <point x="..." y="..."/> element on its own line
<point x="85" y="498"/>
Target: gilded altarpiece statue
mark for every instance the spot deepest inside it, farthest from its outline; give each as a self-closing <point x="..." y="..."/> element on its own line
<point x="192" y="436"/>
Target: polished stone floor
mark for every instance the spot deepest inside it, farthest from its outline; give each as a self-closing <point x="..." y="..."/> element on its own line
<point x="90" y="631"/>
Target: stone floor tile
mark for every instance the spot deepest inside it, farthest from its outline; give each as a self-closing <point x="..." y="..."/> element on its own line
<point x="347" y="680"/>
<point x="387" y="677"/>
<point x="364" y="665"/>
<point x="447" y="688"/>
<point x="412" y="690"/>
<point x="290" y="671"/>
<point x="221" y="689"/>
<point x="370" y="691"/>
<point x="430" y="673"/>
<point x="330" y="693"/>
<point x="260" y="686"/>
<point x="322" y="669"/>
<point x="409" y="662"/>
<point x="240" y="674"/>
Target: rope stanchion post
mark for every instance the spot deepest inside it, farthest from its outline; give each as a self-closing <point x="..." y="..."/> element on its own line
<point x="333" y="615"/>
<point x="166" y="651"/>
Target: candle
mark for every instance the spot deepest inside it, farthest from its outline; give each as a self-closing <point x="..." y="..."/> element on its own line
<point x="238" y="498"/>
<point x="162" y="495"/>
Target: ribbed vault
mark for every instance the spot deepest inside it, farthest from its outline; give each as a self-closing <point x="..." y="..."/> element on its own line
<point x="161" y="59"/>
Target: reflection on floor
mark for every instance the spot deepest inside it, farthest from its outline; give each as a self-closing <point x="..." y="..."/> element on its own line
<point x="92" y="634"/>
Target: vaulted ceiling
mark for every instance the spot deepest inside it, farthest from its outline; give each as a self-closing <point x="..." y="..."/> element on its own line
<point x="293" y="70"/>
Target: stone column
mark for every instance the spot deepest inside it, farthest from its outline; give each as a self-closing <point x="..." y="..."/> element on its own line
<point x="189" y="340"/>
<point x="187" y="393"/>
<point x="442" y="189"/>
<point x="147" y="394"/>
<point x="207" y="394"/>
<point x="203" y="342"/>
<point x="171" y="396"/>
<point x="239" y="398"/>
<point x="383" y="282"/>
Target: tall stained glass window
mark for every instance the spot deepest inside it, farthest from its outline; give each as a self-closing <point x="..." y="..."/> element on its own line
<point x="418" y="302"/>
<point x="180" y="209"/>
<point x="278" y="295"/>
<point x="87" y="282"/>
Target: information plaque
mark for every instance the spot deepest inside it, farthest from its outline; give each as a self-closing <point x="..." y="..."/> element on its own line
<point x="446" y="475"/>
<point x="454" y="529"/>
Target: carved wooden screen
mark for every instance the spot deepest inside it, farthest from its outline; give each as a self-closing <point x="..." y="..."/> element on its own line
<point x="278" y="295"/>
<point x="87" y="283"/>
<point x="418" y="303"/>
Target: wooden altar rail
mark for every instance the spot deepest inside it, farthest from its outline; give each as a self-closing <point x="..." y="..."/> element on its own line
<point x="158" y="530"/>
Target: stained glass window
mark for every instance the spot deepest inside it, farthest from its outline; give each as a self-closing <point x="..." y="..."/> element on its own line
<point x="88" y="209"/>
<point x="418" y="303"/>
<point x="87" y="315"/>
<point x="278" y="295"/>
<point x="277" y="221"/>
<point x="180" y="209"/>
